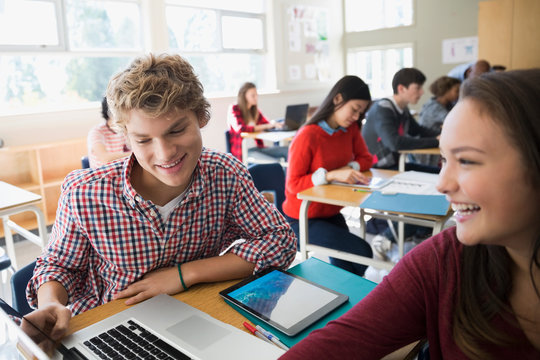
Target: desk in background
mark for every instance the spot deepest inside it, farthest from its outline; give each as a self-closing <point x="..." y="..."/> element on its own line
<point x="14" y="200"/>
<point x="403" y="155"/>
<point x="272" y="136"/>
<point x="346" y="196"/>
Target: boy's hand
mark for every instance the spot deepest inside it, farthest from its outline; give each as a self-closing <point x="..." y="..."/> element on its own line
<point x="52" y="319"/>
<point x="160" y="281"/>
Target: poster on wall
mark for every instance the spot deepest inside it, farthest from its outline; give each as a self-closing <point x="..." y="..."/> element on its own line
<point x="460" y="50"/>
<point x="308" y="43"/>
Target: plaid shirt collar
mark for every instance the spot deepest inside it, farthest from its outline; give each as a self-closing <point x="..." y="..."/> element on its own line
<point x="132" y="197"/>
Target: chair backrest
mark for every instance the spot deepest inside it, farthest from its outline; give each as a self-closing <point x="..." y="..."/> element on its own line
<point x="228" y="140"/>
<point x="85" y="163"/>
<point x="19" y="281"/>
<point x="270" y="177"/>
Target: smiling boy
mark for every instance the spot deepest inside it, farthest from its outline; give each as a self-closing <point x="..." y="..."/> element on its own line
<point x="157" y="221"/>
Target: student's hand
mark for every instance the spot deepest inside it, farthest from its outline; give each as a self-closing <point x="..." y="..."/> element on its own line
<point x="52" y="319"/>
<point x="275" y="124"/>
<point x="160" y="281"/>
<point x="347" y="175"/>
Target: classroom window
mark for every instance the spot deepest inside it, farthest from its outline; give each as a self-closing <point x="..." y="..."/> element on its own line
<point x="68" y="57"/>
<point x="223" y="40"/>
<point x="365" y="15"/>
<point x="377" y="66"/>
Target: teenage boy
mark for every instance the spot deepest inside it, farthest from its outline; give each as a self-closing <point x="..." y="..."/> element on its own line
<point x="157" y="221"/>
<point x="390" y="126"/>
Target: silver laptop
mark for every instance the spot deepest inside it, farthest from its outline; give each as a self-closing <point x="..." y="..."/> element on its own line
<point x="158" y="325"/>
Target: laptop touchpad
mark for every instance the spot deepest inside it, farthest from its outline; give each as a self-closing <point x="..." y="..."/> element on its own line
<point x="198" y="331"/>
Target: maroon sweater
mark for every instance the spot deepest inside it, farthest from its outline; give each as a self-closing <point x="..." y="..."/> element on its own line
<point x="415" y="301"/>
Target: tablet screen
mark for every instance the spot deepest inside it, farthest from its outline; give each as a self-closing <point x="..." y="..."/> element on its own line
<point x="283" y="300"/>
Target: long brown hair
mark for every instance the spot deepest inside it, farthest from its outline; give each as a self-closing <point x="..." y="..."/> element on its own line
<point x="510" y="99"/>
<point x="251" y="112"/>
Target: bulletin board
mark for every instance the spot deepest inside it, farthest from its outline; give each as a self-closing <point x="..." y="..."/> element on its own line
<point x="307" y="55"/>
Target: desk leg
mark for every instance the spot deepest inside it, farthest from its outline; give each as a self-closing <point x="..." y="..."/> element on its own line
<point x="401" y="238"/>
<point x="245" y="151"/>
<point x="10" y="248"/>
<point x="402" y="157"/>
<point x="304" y="231"/>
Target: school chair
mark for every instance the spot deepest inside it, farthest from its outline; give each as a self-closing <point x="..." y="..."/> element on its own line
<point x="85" y="163"/>
<point x="270" y="178"/>
<point x="228" y="141"/>
<point x="19" y="281"/>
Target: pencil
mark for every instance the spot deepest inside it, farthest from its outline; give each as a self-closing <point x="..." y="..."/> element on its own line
<point x="361" y="190"/>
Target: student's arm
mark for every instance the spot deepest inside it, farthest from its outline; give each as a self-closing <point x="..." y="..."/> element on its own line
<point x="103" y="156"/>
<point x="167" y="280"/>
<point x="394" y="314"/>
<point x="386" y="127"/>
<point x="61" y="267"/>
<point x="423" y="131"/>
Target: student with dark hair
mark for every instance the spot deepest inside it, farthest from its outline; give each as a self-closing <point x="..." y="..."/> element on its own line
<point x="329" y="147"/>
<point x="158" y="221"/>
<point x="473" y="291"/>
<point x="105" y="144"/>
<point x="390" y="126"/>
<point x="445" y="92"/>
<point x="245" y="116"/>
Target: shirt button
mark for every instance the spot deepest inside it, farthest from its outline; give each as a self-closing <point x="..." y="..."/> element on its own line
<point x="153" y="213"/>
<point x="138" y="198"/>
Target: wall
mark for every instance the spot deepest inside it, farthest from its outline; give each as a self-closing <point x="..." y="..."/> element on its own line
<point x="434" y="21"/>
<point x="59" y="125"/>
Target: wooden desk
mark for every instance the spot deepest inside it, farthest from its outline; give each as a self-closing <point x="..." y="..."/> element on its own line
<point x="273" y="136"/>
<point x="403" y="155"/>
<point x="204" y="297"/>
<point x="346" y="196"/>
<point x="14" y="200"/>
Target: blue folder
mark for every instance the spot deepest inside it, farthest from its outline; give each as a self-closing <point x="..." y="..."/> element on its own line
<point x="408" y="203"/>
<point x="332" y="277"/>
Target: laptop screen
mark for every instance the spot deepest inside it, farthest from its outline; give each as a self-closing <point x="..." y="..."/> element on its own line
<point x="295" y="116"/>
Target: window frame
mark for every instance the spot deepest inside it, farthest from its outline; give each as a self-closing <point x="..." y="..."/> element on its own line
<point x="219" y="14"/>
<point x="63" y="36"/>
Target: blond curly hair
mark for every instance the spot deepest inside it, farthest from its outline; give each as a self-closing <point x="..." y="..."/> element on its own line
<point x="157" y="85"/>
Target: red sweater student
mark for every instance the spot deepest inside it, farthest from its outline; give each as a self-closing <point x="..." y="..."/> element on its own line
<point x="329" y="148"/>
<point x="246" y="117"/>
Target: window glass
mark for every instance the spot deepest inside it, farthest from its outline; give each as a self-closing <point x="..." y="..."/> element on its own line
<point x="192" y="29"/>
<point x="251" y="6"/>
<point x="103" y="25"/>
<point x="242" y="32"/>
<point x="48" y="81"/>
<point x="28" y="23"/>
<point x="378" y="66"/>
<point x="364" y="15"/>
<point x="223" y="74"/>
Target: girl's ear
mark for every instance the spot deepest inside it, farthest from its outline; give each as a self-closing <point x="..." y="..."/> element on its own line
<point x="338" y="99"/>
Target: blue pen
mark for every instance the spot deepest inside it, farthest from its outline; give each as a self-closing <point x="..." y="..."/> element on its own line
<point x="271" y="337"/>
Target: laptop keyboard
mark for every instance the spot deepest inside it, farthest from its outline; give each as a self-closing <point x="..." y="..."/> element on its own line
<point x="132" y="341"/>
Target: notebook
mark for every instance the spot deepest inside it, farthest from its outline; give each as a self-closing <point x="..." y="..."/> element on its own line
<point x="161" y="325"/>
<point x="295" y="116"/>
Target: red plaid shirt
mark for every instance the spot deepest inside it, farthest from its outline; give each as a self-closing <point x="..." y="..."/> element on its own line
<point x="237" y="125"/>
<point x="106" y="236"/>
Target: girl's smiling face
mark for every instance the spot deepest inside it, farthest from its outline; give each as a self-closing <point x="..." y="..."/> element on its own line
<point x="485" y="179"/>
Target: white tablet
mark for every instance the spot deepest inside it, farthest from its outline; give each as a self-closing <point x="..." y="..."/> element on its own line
<point x="374" y="183"/>
<point x="285" y="301"/>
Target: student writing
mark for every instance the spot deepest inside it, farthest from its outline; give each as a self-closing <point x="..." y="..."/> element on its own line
<point x="329" y="147"/>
